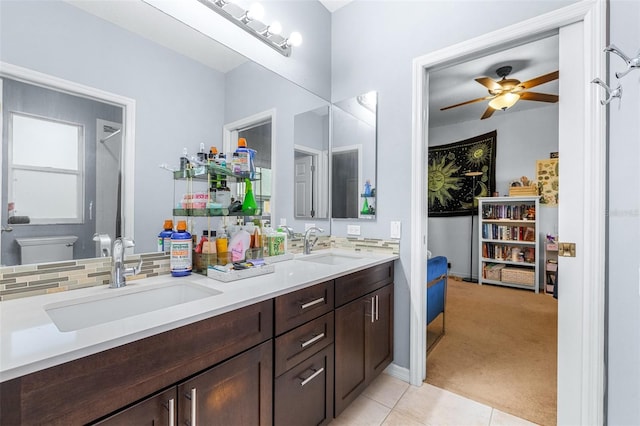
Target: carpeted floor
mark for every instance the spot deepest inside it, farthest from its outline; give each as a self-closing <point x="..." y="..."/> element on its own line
<point x="500" y="349"/>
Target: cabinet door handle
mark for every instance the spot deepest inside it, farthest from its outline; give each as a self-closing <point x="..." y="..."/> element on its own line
<point x="373" y="308"/>
<point x="311" y="377"/>
<point x="192" y="396"/>
<point x="377" y="306"/>
<point x="312" y="303"/>
<point x="312" y="340"/>
<point x="172" y="412"/>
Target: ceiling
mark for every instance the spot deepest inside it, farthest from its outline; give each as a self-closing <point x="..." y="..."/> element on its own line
<point x="455" y="84"/>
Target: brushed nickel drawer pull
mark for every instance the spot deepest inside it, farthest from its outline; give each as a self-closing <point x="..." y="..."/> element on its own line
<point x="172" y="412"/>
<point x="373" y="308"/>
<point x="192" y="398"/>
<point x="377" y="306"/>
<point x="312" y="340"/>
<point x="312" y="303"/>
<point x="311" y="377"/>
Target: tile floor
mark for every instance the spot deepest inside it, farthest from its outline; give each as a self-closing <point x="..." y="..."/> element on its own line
<point x="391" y="402"/>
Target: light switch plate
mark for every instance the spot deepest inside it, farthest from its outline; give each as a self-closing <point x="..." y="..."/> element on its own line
<point x="353" y="229"/>
<point x="395" y="230"/>
<point x="283" y="221"/>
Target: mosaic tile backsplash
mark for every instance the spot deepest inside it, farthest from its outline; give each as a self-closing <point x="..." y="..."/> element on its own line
<point x="32" y="280"/>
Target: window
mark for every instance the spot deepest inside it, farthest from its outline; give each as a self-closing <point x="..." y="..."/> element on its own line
<point x="46" y="169"/>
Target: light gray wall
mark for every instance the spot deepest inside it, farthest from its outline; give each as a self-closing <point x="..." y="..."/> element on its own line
<point x="624" y="223"/>
<point x="252" y="89"/>
<point x="179" y="102"/>
<point x="373" y="45"/>
<point x="523" y="137"/>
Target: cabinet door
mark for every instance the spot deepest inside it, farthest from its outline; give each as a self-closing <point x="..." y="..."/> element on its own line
<point x="158" y="410"/>
<point x="380" y="338"/>
<point x="352" y="320"/>
<point x="304" y="394"/>
<point x="236" y="392"/>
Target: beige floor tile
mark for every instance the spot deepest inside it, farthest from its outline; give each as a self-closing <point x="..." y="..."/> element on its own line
<point x="396" y="418"/>
<point x="386" y="389"/>
<point x="433" y="406"/>
<point x="363" y="411"/>
<point x="499" y="418"/>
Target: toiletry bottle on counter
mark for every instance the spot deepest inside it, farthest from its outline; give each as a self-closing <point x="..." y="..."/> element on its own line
<point x="180" y="261"/>
<point x="223" y="194"/>
<point x="164" y="237"/>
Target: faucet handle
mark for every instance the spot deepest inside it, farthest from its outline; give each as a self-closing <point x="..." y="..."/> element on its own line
<point x="135" y="270"/>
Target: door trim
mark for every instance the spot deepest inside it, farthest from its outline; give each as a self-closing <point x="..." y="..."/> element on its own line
<point x="589" y="406"/>
<point x="128" y="106"/>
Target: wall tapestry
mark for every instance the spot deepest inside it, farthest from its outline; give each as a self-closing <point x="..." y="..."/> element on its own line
<point x="548" y="180"/>
<point x="450" y="191"/>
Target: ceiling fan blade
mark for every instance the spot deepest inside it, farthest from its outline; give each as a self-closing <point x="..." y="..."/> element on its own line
<point x="467" y="102"/>
<point x="540" y="97"/>
<point x="489" y="83"/>
<point x="487" y="113"/>
<point x="540" y="80"/>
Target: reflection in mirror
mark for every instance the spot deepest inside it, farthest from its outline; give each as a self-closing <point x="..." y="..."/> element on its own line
<point x="353" y="158"/>
<point x="311" y="168"/>
<point x="59" y="178"/>
<point x="176" y="92"/>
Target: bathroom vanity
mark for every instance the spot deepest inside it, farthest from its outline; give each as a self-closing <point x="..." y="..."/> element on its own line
<point x="311" y="335"/>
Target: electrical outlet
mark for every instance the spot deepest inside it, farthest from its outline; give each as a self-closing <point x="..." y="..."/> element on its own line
<point x="283" y="221"/>
<point x="308" y="225"/>
<point x="353" y="229"/>
<point x="395" y="231"/>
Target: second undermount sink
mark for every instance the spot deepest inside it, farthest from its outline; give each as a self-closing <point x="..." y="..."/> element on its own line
<point x="76" y="314"/>
<point x="329" y="258"/>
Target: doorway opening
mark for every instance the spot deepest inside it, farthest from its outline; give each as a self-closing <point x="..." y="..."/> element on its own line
<point x="581" y="298"/>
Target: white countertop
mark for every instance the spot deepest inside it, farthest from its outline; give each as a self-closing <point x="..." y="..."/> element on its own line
<point x="30" y="341"/>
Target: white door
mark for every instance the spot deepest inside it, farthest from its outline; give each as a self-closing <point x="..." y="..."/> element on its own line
<point x="303" y="186"/>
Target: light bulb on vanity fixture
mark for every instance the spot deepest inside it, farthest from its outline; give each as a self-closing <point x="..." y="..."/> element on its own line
<point x="251" y="21"/>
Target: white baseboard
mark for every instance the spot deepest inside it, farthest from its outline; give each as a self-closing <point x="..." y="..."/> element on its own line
<point x="398" y="372"/>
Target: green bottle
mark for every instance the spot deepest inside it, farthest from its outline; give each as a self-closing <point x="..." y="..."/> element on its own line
<point x="249" y="205"/>
<point x="365" y="207"/>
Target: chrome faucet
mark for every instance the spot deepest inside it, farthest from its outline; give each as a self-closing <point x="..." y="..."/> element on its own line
<point x="308" y="244"/>
<point x="119" y="273"/>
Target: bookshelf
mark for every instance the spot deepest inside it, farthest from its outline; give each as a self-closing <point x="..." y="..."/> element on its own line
<point x="508" y="241"/>
<point x="550" y="266"/>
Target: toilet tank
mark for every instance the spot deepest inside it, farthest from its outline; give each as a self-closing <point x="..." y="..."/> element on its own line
<point x="46" y="249"/>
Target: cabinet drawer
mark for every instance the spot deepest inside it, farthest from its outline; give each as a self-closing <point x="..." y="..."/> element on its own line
<point x="303" y="305"/>
<point x="304" y="395"/>
<point x="300" y="343"/>
<point x="355" y="285"/>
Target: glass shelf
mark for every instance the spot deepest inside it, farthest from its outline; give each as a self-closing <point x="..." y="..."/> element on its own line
<point x="205" y="172"/>
<point x="213" y="212"/>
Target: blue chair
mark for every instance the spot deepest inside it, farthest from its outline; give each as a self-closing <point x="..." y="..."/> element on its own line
<point x="437" y="274"/>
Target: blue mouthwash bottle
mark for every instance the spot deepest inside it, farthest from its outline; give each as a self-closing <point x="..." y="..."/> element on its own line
<point x="180" y="262"/>
<point x="164" y="238"/>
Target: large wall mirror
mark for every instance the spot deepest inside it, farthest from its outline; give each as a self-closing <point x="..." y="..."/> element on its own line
<point x="182" y="98"/>
<point x="354" y="157"/>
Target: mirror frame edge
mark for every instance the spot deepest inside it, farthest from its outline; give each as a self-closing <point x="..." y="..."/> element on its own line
<point x="128" y="105"/>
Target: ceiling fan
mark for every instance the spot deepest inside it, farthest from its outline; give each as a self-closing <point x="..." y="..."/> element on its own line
<point x="505" y="93"/>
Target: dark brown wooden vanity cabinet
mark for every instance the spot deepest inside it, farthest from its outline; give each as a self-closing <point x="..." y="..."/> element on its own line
<point x="304" y="359"/>
<point x="364" y="330"/>
<point x="237" y="391"/>
<point x="238" y="345"/>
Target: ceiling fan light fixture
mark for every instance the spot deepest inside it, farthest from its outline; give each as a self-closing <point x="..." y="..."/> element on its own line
<point x="504" y="101"/>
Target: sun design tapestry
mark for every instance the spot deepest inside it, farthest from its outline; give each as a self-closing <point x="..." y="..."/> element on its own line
<point x="451" y="193"/>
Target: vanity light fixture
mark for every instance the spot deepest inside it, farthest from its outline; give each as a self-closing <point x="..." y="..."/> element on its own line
<point x="504" y="101"/>
<point x="251" y="21"/>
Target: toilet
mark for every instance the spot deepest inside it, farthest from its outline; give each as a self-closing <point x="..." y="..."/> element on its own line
<point x="46" y="249"/>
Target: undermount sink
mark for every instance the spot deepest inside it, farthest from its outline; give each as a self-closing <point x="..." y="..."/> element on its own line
<point x="329" y="258"/>
<point x="121" y="303"/>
